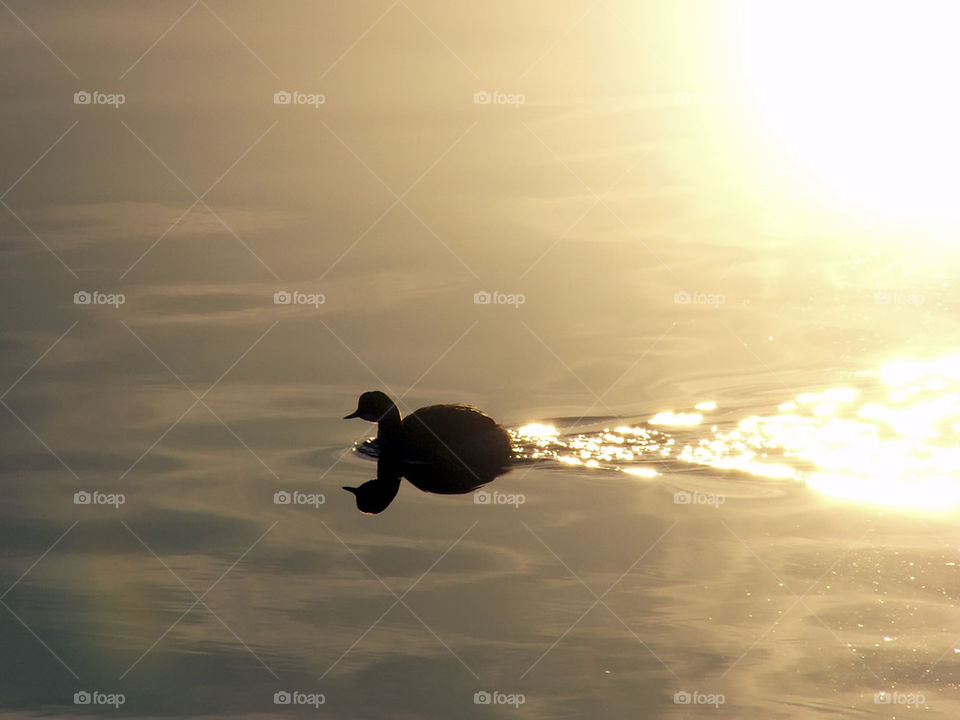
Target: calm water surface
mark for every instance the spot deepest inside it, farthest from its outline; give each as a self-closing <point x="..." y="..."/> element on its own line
<point x="601" y="590"/>
<point x="738" y="402"/>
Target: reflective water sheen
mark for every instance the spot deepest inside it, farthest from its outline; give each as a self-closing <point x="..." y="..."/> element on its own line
<point x="892" y="440"/>
<point x="705" y="273"/>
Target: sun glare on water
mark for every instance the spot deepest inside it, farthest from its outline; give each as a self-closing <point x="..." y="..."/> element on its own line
<point x="862" y="96"/>
<point x="893" y="441"/>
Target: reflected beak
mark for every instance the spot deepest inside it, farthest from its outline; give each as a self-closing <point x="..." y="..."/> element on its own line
<point x="355" y="413"/>
<point x="374" y="496"/>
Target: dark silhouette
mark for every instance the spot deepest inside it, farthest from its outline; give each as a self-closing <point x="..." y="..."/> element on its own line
<point x="447" y="449"/>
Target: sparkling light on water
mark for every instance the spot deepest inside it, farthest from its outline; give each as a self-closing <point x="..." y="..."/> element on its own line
<point x="894" y="448"/>
<point x="894" y="441"/>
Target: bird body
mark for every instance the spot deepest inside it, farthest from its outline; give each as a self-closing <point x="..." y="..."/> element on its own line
<point x="463" y="447"/>
<point x="446" y="449"/>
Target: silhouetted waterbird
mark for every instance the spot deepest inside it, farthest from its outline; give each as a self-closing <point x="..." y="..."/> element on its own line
<point x="446" y="449"/>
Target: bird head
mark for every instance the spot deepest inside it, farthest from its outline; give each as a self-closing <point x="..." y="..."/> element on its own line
<point x="373" y="406"/>
<point x="374" y="496"/>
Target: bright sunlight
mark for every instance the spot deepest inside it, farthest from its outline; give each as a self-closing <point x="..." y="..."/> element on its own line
<point x="862" y="96"/>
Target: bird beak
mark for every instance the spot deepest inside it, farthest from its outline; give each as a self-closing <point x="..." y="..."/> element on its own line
<point x="355" y="413"/>
<point x="353" y="490"/>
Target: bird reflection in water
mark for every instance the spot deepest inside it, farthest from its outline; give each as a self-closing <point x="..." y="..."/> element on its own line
<point x="444" y="449"/>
